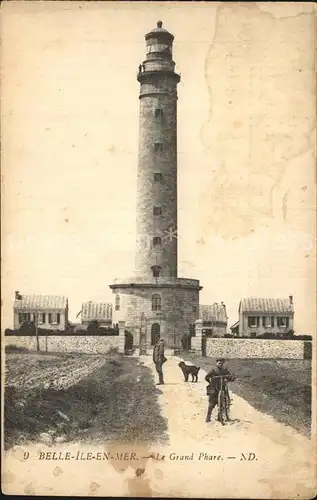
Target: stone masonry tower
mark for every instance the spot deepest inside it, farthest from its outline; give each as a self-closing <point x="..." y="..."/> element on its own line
<point x="155" y="302"/>
<point x="156" y="252"/>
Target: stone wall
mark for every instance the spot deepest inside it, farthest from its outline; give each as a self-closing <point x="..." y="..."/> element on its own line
<point x="256" y="348"/>
<point x="88" y="344"/>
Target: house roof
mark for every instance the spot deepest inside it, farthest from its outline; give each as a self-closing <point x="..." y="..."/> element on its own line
<point x="96" y="310"/>
<point x="213" y="312"/>
<point x="44" y="302"/>
<point x="265" y="305"/>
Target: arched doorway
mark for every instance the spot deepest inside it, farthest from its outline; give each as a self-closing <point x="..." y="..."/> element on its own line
<point x="155" y="333"/>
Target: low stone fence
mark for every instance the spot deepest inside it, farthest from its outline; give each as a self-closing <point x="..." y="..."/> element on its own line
<point x="88" y="344"/>
<point x="258" y="348"/>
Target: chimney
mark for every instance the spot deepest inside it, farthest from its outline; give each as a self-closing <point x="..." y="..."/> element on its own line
<point x="18" y="296"/>
<point x="291" y="299"/>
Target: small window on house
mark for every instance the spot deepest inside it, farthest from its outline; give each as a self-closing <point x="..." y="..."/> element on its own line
<point x="156" y="302"/>
<point x="158" y="112"/>
<point x="157" y="241"/>
<point x="117" y="306"/>
<point x="268" y="321"/>
<point x="195" y="309"/>
<point x="283" y="322"/>
<point x="158" y="177"/>
<point x="156" y="270"/>
<point x="253" y="321"/>
<point x="252" y="334"/>
<point x="158" y="147"/>
<point x="54" y="318"/>
<point x="43" y="317"/>
<point x="157" y="210"/>
<point x="24" y="317"/>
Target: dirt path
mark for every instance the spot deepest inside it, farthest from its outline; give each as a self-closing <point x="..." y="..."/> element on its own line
<point x="278" y="460"/>
<point x="279" y="465"/>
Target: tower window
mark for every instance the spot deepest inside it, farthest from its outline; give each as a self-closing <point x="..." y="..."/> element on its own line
<point x="158" y="177"/>
<point x="117" y="307"/>
<point x="157" y="210"/>
<point x="156" y="271"/>
<point x="156" y="302"/>
<point x="158" y="147"/>
<point x="158" y="112"/>
<point x="157" y="241"/>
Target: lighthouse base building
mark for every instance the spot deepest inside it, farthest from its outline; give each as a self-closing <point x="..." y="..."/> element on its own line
<point x="163" y="307"/>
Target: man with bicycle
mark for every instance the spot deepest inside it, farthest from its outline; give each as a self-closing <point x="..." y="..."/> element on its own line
<point x="213" y="378"/>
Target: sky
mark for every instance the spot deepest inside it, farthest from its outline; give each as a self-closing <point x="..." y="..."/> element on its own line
<point x="246" y="152"/>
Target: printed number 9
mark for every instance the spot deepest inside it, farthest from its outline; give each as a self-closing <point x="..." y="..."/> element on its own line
<point x="26" y="455"/>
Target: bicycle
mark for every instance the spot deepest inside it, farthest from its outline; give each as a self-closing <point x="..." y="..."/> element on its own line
<point x="224" y="400"/>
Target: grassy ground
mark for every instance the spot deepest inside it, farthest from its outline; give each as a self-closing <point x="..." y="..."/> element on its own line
<point x="117" y="402"/>
<point x="280" y="388"/>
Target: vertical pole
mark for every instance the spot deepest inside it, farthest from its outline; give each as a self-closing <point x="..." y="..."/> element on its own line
<point x="198" y="339"/>
<point x="121" y="339"/>
<point x="142" y="342"/>
<point x="145" y="335"/>
<point x="37" y="332"/>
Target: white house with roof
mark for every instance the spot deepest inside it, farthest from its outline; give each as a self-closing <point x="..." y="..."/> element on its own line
<point x="96" y="311"/>
<point x="214" y="318"/>
<point x="264" y="315"/>
<point x="50" y="311"/>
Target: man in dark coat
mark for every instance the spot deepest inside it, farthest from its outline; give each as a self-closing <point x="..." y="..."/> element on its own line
<point x="214" y="384"/>
<point x="159" y="359"/>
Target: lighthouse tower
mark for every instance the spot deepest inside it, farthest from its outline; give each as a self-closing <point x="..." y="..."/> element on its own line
<point x="156" y="252"/>
<point x="155" y="302"/>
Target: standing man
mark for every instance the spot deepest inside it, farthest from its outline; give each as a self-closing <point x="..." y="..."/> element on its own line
<point x="159" y="359"/>
<point x="214" y="384"/>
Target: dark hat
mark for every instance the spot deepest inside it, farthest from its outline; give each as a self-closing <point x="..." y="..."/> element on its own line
<point x="220" y="359"/>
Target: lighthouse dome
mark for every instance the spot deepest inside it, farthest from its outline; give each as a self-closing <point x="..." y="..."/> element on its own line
<point x="159" y="31"/>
